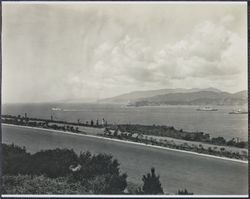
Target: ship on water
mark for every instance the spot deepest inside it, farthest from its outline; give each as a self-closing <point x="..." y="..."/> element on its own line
<point x="130" y="104"/>
<point x="56" y="109"/>
<point x="239" y="111"/>
<point x="206" y="108"/>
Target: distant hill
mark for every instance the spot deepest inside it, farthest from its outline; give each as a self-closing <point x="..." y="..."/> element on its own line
<point x="140" y="95"/>
<point x="195" y="98"/>
<point x="241" y="94"/>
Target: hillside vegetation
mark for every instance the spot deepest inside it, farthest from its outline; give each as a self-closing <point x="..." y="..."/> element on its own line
<point x="195" y="98"/>
<point x="140" y="95"/>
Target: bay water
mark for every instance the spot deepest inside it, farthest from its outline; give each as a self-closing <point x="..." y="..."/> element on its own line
<point x="216" y="123"/>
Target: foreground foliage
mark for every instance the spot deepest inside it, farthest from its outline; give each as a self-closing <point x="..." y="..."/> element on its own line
<point x="62" y="171"/>
<point x="27" y="184"/>
<point x="99" y="174"/>
<point x="184" y="192"/>
<point x="151" y="184"/>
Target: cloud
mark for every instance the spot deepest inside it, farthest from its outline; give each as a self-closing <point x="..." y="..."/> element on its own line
<point x="206" y="55"/>
<point x="211" y="49"/>
<point x="100" y="51"/>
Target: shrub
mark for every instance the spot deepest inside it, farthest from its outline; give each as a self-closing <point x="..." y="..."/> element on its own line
<point x="97" y="173"/>
<point x="53" y="163"/>
<point x="26" y="184"/>
<point x="108" y="184"/>
<point x="184" y="192"/>
<point x="93" y="165"/>
<point x="151" y="184"/>
<point x="100" y="173"/>
<point x="15" y="159"/>
<point x="132" y="188"/>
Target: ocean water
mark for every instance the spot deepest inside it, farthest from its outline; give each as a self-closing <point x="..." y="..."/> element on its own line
<point x="216" y="123"/>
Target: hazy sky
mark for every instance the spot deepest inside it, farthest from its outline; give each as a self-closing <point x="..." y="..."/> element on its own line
<point x="58" y="51"/>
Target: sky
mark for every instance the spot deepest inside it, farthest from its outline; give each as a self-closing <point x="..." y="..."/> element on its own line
<point x="88" y="51"/>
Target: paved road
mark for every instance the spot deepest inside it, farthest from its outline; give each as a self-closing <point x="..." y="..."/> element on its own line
<point x="201" y="175"/>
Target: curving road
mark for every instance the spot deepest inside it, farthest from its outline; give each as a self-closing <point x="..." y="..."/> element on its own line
<point x="178" y="170"/>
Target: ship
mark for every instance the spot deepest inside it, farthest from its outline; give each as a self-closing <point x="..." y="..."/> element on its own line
<point x="56" y="109"/>
<point x="130" y="104"/>
<point x="206" y="108"/>
<point x="239" y="111"/>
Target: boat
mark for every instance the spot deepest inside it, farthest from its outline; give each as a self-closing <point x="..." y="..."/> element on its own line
<point x="206" y="108"/>
<point x="56" y="109"/>
<point x="130" y="104"/>
<point x="239" y="111"/>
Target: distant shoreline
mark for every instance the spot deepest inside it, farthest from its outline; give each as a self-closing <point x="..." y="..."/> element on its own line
<point x="180" y="105"/>
<point x="129" y="142"/>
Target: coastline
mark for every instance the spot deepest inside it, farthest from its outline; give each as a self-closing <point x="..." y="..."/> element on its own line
<point x="130" y="142"/>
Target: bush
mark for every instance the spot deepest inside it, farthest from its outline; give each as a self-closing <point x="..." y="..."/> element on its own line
<point x="218" y="141"/>
<point x="100" y="173"/>
<point x="184" y="192"/>
<point x="132" y="188"/>
<point x="151" y="184"/>
<point x="26" y="184"/>
<point x="97" y="173"/>
<point x="53" y="163"/>
<point x="93" y="165"/>
<point x="15" y="160"/>
<point x="108" y="184"/>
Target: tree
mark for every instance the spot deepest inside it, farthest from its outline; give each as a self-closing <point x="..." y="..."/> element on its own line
<point x="184" y="192"/>
<point x="151" y="184"/>
<point x="26" y="117"/>
<point x="53" y="163"/>
<point x="231" y="142"/>
<point x="15" y="160"/>
<point x="91" y="123"/>
<point x="218" y="141"/>
<point x="242" y="144"/>
<point x="115" y="133"/>
<point x="100" y="173"/>
<point x="93" y="165"/>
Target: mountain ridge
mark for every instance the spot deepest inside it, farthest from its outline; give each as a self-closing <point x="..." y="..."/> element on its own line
<point x="138" y="95"/>
<point x="196" y="98"/>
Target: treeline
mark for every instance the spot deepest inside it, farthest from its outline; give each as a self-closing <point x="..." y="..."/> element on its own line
<point x="135" y="137"/>
<point x="24" y="120"/>
<point x="40" y="123"/>
<point x="170" y="131"/>
<point x="62" y="171"/>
